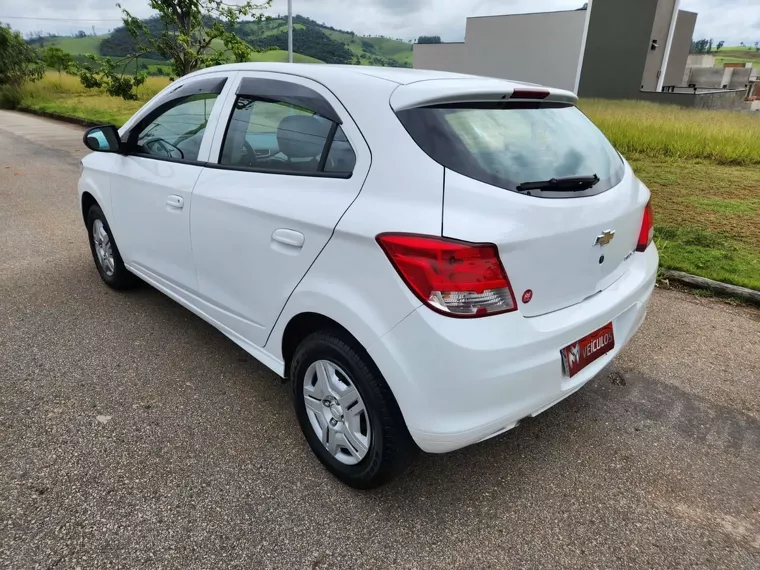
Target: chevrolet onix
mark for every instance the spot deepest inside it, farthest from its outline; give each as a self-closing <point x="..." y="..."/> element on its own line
<point x="428" y="257"/>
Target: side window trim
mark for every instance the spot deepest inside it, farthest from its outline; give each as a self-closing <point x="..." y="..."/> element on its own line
<point x="277" y="91"/>
<point x="328" y="147"/>
<point x="213" y="85"/>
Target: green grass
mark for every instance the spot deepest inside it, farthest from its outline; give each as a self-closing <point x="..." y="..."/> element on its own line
<point x="639" y="128"/>
<point x="78" y="46"/>
<point x="714" y="255"/>
<point x="727" y="206"/>
<point x="66" y="96"/>
<point x="281" y="56"/>
<point x="706" y="217"/>
<point x="737" y="54"/>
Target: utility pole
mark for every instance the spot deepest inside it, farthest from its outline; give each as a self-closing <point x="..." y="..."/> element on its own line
<point x="290" y="31"/>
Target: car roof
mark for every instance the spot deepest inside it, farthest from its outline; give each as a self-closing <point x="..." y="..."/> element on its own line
<point x="404" y="88"/>
<point x="325" y="72"/>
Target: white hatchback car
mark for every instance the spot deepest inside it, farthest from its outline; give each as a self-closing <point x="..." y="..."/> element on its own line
<point x="429" y="257"/>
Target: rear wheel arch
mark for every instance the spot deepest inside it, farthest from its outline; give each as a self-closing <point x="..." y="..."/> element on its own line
<point x="301" y="326"/>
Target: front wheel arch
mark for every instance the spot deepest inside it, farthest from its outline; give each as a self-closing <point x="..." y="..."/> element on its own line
<point x="87" y="202"/>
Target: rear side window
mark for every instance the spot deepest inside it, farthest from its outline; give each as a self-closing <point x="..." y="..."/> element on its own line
<point x="507" y="145"/>
<point x="288" y="129"/>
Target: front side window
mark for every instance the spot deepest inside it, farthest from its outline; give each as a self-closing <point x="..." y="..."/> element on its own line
<point x="176" y="129"/>
<point x="508" y="145"/>
<point x="270" y="135"/>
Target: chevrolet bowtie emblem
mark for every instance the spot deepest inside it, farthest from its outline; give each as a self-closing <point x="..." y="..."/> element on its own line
<point x="604" y="238"/>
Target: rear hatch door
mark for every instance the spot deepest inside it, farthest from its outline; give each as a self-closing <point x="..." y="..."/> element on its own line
<point x="527" y="171"/>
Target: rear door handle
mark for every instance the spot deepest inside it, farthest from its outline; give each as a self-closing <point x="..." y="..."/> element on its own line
<point x="174" y="201"/>
<point x="289" y="237"/>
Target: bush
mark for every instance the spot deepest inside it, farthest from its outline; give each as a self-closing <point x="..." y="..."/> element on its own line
<point x="19" y="62"/>
<point x="10" y="97"/>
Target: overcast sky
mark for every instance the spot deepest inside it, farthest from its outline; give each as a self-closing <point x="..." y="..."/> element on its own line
<point x="729" y="20"/>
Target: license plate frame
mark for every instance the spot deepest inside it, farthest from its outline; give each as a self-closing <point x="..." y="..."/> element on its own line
<point x="579" y="354"/>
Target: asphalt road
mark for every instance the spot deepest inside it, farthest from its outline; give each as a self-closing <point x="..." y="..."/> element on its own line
<point x="134" y="435"/>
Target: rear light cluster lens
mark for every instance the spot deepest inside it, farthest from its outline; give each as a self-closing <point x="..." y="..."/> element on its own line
<point x="646" y="235"/>
<point x="455" y="278"/>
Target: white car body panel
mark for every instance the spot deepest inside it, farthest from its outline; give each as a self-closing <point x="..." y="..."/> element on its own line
<point x="256" y="234"/>
<point x="457" y="381"/>
<point x="547" y="245"/>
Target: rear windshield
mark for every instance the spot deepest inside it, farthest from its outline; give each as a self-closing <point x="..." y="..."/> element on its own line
<point x="508" y="144"/>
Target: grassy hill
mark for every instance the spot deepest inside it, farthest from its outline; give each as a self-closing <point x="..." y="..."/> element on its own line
<point x="313" y="42"/>
<point x="737" y="54"/>
<point x="75" y="46"/>
<point x="369" y="48"/>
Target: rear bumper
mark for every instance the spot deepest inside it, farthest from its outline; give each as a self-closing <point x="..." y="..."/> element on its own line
<point x="460" y="381"/>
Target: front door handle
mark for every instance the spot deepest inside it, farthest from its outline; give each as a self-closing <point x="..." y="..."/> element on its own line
<point x="174" y="201"/>
<point x="289" y="237"/>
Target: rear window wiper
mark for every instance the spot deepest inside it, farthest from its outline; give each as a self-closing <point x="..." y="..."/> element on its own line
<point x="563" y="184"/>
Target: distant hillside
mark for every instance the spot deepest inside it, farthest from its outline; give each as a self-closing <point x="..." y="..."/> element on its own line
<point x="738" y="54"/>
<point x="312" y="42"/>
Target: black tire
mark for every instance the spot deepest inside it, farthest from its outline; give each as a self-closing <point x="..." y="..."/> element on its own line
<point x="120" y="278"/>
<point x="391" y="448"/>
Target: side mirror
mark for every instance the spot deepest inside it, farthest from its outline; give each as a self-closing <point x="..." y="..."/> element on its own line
<point x="103" y="139"/>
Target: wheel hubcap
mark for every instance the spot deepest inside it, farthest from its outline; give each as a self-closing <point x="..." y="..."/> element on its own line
<point x="337" y="412"/>
<point x="103" y="249"/>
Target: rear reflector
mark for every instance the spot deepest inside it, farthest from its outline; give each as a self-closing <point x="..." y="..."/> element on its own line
<point x="529" y="94"/>
<point x="455" y="278"/>
<point x="646" y="235"/>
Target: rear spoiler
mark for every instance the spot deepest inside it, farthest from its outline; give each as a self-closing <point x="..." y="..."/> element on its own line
<point x="475" y="90"/>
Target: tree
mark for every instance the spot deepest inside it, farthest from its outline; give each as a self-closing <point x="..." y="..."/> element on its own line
<point x="757" y="46"/>
<point x="19" y="61"/>
<point x="429" y="40"/>
<point x="57" y="59"/>
<point x="720" y="45"/>
<point x="110" y="76"/>
<point x="699" y="46"/>
<point x="191" y="31"/>
<point x="81" y="34"/>
<point x="710" y="46"/>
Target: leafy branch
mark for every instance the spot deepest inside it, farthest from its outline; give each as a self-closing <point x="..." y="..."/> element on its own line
<point x="188" y="29"/>
<point x="108" y="75"/>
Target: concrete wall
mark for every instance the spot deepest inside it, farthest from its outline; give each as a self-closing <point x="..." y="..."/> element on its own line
<point x="679" y="50"/>
<point x="718" y="100"/>
<point x="441" y="57"/>
<point x="739" y="78"/>
<point x="720" y="77"/>
<point x="660" y="29"/>
<point x="617" y="48"/>
<point x="537" y="48"/>
<point x="700" y="60"/>
<point x="707" y="77"/>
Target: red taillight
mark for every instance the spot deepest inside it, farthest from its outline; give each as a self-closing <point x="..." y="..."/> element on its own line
<point x="529" y="94"/>
<point x="455" y="278"/>
<point x="646" y="235"/>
